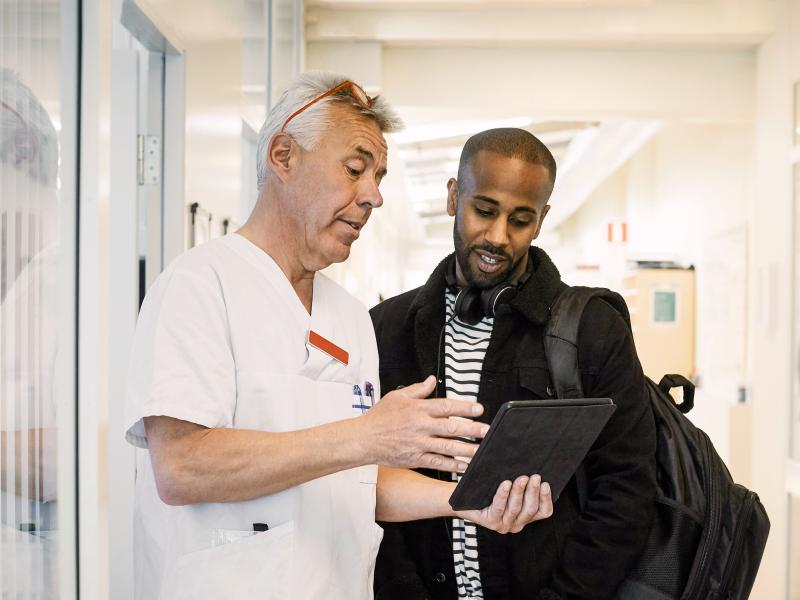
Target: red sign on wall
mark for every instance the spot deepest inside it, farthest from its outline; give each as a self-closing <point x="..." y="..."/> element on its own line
<point x="617" y="232"/>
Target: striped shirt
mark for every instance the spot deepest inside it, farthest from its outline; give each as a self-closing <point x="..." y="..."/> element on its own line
<point x="464" y="348"/>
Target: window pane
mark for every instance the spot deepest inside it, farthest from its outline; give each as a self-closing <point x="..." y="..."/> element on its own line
<point x="35" y="263"/>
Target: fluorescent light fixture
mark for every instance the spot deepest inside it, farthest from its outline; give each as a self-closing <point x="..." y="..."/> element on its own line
<point x="450" y="129"/>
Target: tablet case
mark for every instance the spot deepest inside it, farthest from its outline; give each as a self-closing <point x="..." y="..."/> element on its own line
<point x="548" y="437"/>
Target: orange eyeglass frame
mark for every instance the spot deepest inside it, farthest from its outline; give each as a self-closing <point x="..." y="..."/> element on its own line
<point x="356" y="91"/>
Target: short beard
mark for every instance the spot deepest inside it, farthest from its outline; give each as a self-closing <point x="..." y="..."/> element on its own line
<point x="474" y="277"/>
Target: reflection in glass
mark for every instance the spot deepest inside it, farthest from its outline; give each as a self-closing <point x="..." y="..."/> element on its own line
<point x="29" y="297"/>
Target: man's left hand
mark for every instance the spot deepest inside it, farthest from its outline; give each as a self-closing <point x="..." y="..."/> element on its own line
<point x="514" y="506"/>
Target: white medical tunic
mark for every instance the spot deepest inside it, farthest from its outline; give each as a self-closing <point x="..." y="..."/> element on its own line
<point x="222" y="342"/>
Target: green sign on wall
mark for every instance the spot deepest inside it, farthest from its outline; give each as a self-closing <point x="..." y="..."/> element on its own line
<point x="665" y="305"/>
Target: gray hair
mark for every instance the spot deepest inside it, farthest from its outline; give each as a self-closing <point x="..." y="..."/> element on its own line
<point x="307" y="127"/>
<point x="28" y="140"/>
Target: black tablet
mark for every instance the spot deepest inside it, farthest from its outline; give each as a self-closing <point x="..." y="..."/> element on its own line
<point x="548" y="437"/>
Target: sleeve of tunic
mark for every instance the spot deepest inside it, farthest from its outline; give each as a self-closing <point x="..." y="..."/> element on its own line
<point x="182" y="363"/>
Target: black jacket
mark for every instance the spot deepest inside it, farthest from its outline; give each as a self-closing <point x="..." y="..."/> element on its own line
<point x="570" y="555"/>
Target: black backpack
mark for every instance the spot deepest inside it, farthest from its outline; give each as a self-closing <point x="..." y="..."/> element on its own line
<point x="708" y="533"/>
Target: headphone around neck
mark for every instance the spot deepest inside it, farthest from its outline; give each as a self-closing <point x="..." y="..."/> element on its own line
<point x="473" y="304"/>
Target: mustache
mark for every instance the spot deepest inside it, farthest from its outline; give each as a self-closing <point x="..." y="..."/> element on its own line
<point x="491" y="250"/>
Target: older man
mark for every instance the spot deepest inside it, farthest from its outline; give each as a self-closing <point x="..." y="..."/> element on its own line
<point x="251" y="379"/>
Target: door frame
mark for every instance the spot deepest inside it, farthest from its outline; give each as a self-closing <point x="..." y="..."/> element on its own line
<point x="135" y="21"/>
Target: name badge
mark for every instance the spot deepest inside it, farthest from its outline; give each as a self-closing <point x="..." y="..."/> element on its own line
<point x="328" y="347"/>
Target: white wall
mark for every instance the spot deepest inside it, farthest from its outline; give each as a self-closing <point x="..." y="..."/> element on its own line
<point x="770" y="214"/>
<point x="684" y="197"/>
<point x="213" y="126"/>
<point x="689" y="182"/>
<point x="583" y="237"/>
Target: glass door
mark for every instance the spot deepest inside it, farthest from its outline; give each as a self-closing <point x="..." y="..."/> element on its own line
<point x="38" y="253"/>
<point x="146" y="230"/>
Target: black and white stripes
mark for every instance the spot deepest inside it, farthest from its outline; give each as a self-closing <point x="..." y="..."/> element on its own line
<point x="464" y="349"/>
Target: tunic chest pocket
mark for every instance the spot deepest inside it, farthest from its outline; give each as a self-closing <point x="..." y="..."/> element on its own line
<point x="275" y="402"/>
<point x="535" y="383"/>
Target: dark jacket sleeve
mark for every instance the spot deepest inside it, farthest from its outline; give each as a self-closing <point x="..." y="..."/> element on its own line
<point x="396" y="576"/>
<point x="620" y="467"/>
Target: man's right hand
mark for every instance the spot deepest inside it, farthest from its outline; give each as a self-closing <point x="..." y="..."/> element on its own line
<point x="406" y="429"/>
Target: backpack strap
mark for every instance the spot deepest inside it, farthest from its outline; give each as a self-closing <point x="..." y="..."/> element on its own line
<point x="672" y="381"/>
<point x="561" y="335"/>
<point x="561" y="349"/>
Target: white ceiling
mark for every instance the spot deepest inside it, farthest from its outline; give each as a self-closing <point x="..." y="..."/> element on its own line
<point x="442" y="106"/>
<point x="441" y="62"/>
<point x="577" y="23"/>
<point x="562" y="23"/>
<point x="197" y="21"/>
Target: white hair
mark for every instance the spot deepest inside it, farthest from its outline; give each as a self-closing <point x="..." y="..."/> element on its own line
<point x="28" y="140"/>
<point x="307" y="127"/>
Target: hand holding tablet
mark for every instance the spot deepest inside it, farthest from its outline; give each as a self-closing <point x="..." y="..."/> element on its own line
<point x="546" y="437"/>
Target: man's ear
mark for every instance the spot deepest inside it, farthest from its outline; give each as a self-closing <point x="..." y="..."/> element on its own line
<point x="545" y="210"/>
<point x="452" y="196"/>
<point x="279" y="155"/>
